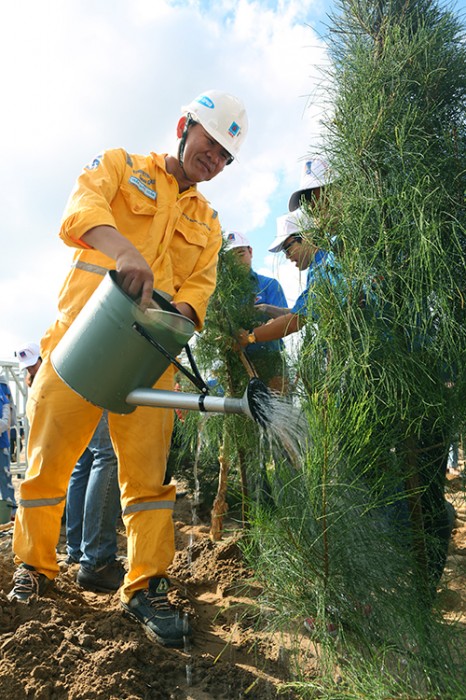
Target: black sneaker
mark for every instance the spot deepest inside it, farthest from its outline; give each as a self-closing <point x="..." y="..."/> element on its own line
<point x="26" y="583"/>
<point x="160" y="620"/>
<point x="105" y="579"/>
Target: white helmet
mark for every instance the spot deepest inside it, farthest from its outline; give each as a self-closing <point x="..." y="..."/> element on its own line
<point x="316" y="173"/>
<point x="223" y="116"/>
<point x="293" y="224"/>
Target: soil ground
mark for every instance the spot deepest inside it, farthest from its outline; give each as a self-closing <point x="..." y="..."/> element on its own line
<point x="76" y="645"/>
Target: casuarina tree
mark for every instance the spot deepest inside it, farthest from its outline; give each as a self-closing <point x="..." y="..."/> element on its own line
<point x="358" y="540"/>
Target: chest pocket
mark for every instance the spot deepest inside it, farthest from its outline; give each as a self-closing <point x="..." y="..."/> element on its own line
<point x="188" y="244"/>
<point x="136" y="201"/>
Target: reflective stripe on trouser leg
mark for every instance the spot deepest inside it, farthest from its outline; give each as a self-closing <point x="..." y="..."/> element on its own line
<point x="61" y="425"/>
<point x="142" y="441"/>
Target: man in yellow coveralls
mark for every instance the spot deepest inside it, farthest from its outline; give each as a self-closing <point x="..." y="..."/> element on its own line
<point x="144" y="217"/>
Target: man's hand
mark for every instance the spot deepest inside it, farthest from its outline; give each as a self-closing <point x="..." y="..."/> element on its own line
<point x="186" y="310"/>
<point x="135" y="276"/>
<point x="133" y="273"/>
<point x="242" y="338"/>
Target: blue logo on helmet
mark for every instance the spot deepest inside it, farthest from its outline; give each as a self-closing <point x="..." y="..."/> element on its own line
<point x="234" y="129"/>
<point x="206" y="101"/>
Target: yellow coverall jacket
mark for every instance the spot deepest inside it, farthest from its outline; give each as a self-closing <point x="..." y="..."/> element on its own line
<point x="179" y="236"/>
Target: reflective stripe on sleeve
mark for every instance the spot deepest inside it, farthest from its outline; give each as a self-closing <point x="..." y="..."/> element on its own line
<point x="38" y="502"/>
<point x="88" y="267"/>
<point x="150" y="505"/>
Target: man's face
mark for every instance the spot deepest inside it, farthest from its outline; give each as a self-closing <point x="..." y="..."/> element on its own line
<point x="299" y="251"/>
<point x="244" y="255"/>
<point x="204" y="158"/>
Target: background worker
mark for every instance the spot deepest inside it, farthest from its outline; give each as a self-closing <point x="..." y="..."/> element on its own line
<point x="294" y="233"/>
<point x="92" y="511"/>
<point x="294" y="239"/>
<point x="315" y="176"/>
<point x="144" y="216"/>
<point x="270" y="297"/>
<point x="15" y="430"/>
<point x="29" y="359"/>
<point x="7" y="492"/>
<point x="270" y="301"/>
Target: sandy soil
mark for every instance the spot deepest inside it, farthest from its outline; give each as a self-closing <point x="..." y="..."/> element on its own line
<point x="77" y="645"/>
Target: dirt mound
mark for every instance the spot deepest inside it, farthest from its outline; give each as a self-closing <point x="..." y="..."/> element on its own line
<point x="78" y="645"/>
<point x="75" y="645"/>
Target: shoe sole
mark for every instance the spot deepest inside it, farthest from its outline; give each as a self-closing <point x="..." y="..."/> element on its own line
<point x="153" y="636"/>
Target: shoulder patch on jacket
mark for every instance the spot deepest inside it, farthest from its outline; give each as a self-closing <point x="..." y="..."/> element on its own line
<point x="94" y="163"/>
<point x="129" y="160"/>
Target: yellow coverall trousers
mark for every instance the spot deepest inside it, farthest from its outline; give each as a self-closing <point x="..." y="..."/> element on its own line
<point x="61" y="426"/>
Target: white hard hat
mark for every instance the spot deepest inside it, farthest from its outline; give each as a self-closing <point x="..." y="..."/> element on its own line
<point x="293" y="224"/>
<point x="315" y="173"/>
<point x="28" y="355"/>
<point x="235" y="239"/>
<point x="223" y="116"/>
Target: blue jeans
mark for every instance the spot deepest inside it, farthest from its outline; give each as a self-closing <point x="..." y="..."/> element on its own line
<point x="93" y="502"/>
<point x="7" y="492"/>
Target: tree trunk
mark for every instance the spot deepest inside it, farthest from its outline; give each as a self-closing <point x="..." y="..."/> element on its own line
<point x="220" y="507"/>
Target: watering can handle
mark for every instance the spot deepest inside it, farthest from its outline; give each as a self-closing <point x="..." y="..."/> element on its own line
<point x="164" y="304"/>
<point x="200" y="382"/>
<point x="195" y="378"/>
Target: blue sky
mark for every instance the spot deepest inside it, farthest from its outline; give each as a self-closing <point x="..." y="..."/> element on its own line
<point x="83" y="75"/>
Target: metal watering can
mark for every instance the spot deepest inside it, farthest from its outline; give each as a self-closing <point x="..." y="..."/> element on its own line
<point x="113" y="354"/>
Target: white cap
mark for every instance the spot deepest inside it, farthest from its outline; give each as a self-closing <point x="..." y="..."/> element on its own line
<point x="315" y="173"/>
<point x="293" y="224"/>
<point x="28" y="355"/>
<point x="235" y="239"/>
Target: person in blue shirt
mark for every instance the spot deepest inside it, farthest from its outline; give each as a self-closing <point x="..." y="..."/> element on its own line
<point x="293" y="240"/>
<point x="15" y="431"/>
<point x="316" y="174"/>
<point x="7" y="493"/>
<point x="270" y="302"/>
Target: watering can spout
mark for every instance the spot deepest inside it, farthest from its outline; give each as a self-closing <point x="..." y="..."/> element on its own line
<point x="255" y="402"/>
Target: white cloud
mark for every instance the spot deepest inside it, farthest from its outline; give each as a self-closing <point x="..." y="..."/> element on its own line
<point x="85" y="75"/>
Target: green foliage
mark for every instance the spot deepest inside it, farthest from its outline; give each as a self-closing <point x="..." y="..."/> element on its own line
<point x="384" y="369"/>
<point x="231" y="308"/>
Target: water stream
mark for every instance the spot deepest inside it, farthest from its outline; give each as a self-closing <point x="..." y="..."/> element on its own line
<point x="285" y="426"/>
